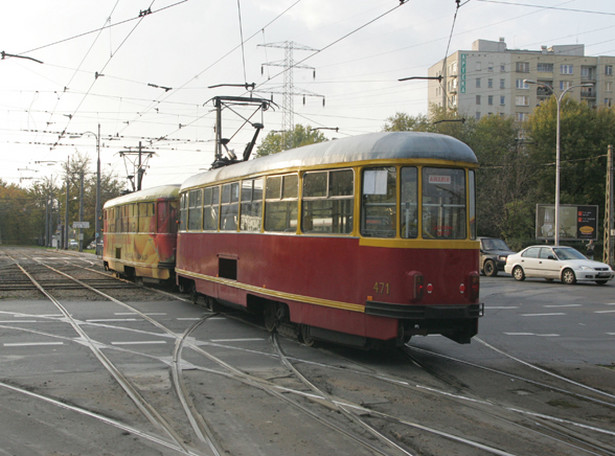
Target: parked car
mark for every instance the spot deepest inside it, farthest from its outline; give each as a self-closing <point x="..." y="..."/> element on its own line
<point x="557" y="263"/>
<point x="493" y="253"/>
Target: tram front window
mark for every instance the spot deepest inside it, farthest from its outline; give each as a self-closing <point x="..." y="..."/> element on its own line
<point x="444" y="203"/>
<point x="379" y="202"/>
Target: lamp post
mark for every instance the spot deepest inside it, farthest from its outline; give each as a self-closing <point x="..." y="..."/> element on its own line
<point x="97" y="209"/>
<point x="558" y="100"/>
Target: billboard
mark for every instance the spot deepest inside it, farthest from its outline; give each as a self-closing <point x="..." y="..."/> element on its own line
<point x="575" y="222"/>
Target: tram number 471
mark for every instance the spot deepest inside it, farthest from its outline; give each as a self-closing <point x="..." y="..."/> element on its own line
<point x="382" y="288"/>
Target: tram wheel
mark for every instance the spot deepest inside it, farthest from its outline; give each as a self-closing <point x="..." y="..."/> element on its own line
<point x="270" y="317"/>
<point x="306" y="337"/>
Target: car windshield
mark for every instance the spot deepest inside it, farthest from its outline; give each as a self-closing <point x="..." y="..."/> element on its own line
<point x="568" y="253"/>
<point x="494" y="244"/>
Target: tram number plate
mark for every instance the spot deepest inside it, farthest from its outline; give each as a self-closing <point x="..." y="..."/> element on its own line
<point x="382" y="288"/>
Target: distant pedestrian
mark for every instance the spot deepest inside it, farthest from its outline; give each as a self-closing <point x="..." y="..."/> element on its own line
<point x="590" y="249"/>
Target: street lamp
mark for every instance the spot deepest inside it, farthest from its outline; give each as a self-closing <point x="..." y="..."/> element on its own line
<point x="98" y="209"/>
<point x="558" y="100"/>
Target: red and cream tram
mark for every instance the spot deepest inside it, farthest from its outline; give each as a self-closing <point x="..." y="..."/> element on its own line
<point x="358" y="240"/>
<point x="140" y="233"/>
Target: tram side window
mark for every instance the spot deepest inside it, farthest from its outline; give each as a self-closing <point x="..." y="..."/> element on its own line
<point x="147" y="219"/>
<point x="379" y="202"/>
<point x="409" y="203"/>
<point x="281" y="203"/>
<point x="328" y="202"/>
<point x="183" y="211"/>
<point x="229" y="207"/>
<point x="133" y="218"/>
<point x="211" y="199"/>
<point x="251" y="205"/>
<point x="444" y="203"/>
<point x="166" y="215"/>
<point x="195" y="209"/>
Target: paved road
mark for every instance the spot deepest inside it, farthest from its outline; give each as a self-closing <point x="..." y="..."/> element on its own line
<point x="542" y="322"/>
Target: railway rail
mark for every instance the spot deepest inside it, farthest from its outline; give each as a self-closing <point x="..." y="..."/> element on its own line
<point x="221" y="376"/>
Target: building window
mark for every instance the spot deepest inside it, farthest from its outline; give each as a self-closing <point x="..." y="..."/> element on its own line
<point x="521" y="84"/>
<point x="490" y="100"/>
<point x="521" y="116"/>
<point x="566" y="69"/>
<point x="522" y="67"/>
<point x="544" y="68"/>
<point x="608" y="70"/>
<point x="477" y="99"/>
<point x="490" y="67"/>
<point x="522" y="100"/>
<point x="502" y="68"/>
<point x="478" y="83"/>
<point x="608" y="101"/>
<point x="478" y="66"/>
<point x="477" y="115"/>
<point x="502" y="100"/>
<point x="609" y="86"/>
<point x="502" y="83"/>
<point x="490" y="83"/>
<point x="564" y="85"/>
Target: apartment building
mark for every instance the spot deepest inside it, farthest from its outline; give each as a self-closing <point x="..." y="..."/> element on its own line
<point x="489" y="79"/>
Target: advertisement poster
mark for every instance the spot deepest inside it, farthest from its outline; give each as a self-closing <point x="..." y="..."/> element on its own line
<point x="576" y="223"/>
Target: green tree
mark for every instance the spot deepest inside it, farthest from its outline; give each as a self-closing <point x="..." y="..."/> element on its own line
<point x="300" y="136"/>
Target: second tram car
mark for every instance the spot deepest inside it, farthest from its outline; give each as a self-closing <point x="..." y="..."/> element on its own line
<point x="140" y="233"/>
<point x="359" y="240"/>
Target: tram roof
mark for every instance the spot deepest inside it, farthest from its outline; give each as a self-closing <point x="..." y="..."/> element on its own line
<point x="362" y="148"/>
<point x="149" y="194"/>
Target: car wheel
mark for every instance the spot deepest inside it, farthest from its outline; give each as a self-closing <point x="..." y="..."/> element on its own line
<point x="568" y="277"/>
<point x="518" y="273"/>
<point x="490" y="269"/>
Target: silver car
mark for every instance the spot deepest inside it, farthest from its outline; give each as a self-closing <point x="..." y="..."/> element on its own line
<point x="557" y="263"/>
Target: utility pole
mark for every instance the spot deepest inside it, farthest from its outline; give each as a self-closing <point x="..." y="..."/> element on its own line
<point x="139" y="165"/>
<point x="608" y="255"/>
<point x="65" y="243"/>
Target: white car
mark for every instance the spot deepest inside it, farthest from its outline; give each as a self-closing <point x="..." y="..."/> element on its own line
<point x="557" y="263"/>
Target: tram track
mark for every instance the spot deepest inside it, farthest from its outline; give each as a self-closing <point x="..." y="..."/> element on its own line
<point x="329" y="389"/>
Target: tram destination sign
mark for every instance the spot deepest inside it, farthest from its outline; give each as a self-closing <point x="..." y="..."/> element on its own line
<point x="576" y="222"/>
<point x="77" y="225"/>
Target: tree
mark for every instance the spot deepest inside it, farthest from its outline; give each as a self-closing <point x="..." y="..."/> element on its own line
<point x="300" y="136"/>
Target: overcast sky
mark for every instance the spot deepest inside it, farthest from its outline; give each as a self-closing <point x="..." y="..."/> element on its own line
<point x="109" y="62"/>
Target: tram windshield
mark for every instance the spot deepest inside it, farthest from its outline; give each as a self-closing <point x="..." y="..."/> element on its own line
<point x="435" y="210"/>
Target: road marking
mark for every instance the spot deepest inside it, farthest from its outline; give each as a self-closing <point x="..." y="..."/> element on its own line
<point x="611" y="334"/>
<point x="500" y="307"/>
<point x="112" y="319"/>
<point x="31" y="344"/>
<point x="140" y="342"/>
<point x="553" y="306"/>
<point x="18" y="321"/>
<point x="530" y="334"/>
<point x="189" y="319"/>
<point x="553" y="314"/>
<point x="238" y="340"/>
<point x="119" y="314"/>
<point x="604" y="311"/>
